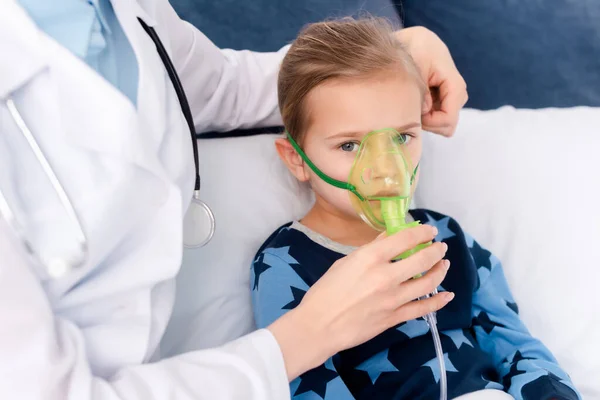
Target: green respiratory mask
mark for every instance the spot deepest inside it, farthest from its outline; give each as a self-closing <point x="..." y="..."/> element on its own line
<point x="381" y="182"/>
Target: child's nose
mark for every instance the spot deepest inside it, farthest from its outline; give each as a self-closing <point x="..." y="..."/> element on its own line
<point x="385" y="166"/>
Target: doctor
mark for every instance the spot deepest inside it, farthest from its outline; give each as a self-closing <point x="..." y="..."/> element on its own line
<point x="85" y="79"/>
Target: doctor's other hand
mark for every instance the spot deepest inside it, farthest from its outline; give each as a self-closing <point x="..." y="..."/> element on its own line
<point x="362" y="295"/>
<point x="448" y="89"/>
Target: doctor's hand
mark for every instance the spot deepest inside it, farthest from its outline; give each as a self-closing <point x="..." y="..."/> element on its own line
<point x="362" y="295"/>
<point x="448" y="90"/>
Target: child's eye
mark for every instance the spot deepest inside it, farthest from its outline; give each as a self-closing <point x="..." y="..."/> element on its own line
<point x="403" y="138"/>
<point x="349" y="146"/>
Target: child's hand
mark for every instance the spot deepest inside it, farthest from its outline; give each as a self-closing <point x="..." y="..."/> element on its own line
<point x="448" y="92"/>
<point x="362" y="295"/>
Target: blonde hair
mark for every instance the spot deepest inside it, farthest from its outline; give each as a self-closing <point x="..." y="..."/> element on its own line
<point x="344" y="48"/>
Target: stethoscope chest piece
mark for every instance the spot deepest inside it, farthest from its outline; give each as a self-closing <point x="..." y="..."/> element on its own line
<point x="198" y="224"/>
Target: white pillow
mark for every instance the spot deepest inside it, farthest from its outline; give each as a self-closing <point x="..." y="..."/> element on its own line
<point x="251" y="194"/>
<point x="526" y="184"/>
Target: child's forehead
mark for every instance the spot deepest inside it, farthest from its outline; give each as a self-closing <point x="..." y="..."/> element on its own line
<point x="354" y="99"/>
<point x="334" y="117"/>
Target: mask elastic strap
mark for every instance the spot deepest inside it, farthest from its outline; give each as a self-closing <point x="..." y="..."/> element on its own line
<point x="321" y="174"/>
<point x="414" y="174"/>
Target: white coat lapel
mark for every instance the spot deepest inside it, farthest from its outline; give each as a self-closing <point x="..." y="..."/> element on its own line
<point x="128" y="134"/>
<point x="153" y="82"/>
<point x="106" y="120"/>
<point x="100" y="106"/>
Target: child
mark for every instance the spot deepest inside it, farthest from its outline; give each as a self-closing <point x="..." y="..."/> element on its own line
<point x="339" y="81"/>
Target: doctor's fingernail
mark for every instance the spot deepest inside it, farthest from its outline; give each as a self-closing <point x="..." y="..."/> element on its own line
<point x="434" y="230"/>
<point x="447" y="264"/>
<point x="449" y="296"/>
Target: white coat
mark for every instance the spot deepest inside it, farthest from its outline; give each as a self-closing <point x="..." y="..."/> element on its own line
<point x="129" y="172"/>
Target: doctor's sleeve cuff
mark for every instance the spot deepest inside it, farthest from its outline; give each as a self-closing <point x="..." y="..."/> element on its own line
<point x="250" y="367"/>
<point x="263" y="347"/>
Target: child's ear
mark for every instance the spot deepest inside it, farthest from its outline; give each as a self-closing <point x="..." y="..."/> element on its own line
<point x="291" y="158"/>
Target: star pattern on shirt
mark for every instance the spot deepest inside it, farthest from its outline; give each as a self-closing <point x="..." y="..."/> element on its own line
<point x="316" y="380"/>
<point x="483" y="319"/>
<point x="483" y="262"/>
<point x="298" y="295"/>
<point x="444" y="232"/>
<point x="512" y="306"/>
<point x="414" y="328"/>
<point x="458" y="337"/>
<point x="530" y="384"/>
<point x="283" y="253"/>
<point x="377" y="365"/>
<point x="469" y="240"/>
<point x="482" y="275"/>
<point x="482" y="257"/>
<point x="268" y="258"/>
<point x="259" y="267"/>
<point x="434" y="365"/>
<point x="548" y="383"/>
<point x="514" y="368"/>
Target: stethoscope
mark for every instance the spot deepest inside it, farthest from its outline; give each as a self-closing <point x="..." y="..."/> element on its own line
<point x="199" y="221"/>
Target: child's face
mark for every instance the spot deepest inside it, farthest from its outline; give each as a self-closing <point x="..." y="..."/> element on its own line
<point x="340" y="113"/>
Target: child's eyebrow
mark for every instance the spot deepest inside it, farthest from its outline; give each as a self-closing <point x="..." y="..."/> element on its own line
<point x="406" y="127"/>
<point x="353" y="134"/>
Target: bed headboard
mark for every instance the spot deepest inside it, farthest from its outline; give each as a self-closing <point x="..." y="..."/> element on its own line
<point x="524" y="53"/>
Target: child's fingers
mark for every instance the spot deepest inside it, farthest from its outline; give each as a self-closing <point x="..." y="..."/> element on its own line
<point x="414" y="288"/>
<point x="386" y="248"/>
<point x="419" y="308"/>
<point x="422" y="261"/>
